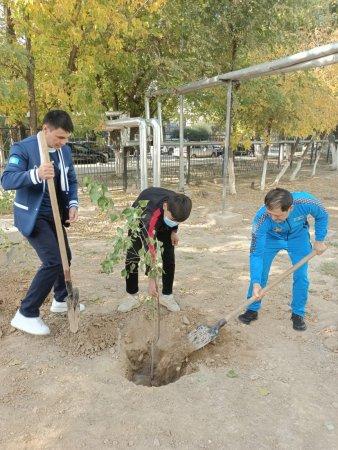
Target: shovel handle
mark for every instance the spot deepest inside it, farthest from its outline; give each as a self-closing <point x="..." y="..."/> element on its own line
<point x="56" y="212"/>
<point x="247" y="302"/>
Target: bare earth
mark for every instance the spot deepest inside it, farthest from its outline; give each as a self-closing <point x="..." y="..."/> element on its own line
<point x="262" y="386"/>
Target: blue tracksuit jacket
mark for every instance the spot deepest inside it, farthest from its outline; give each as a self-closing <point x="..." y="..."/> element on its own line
<point x="20" y="174"/>
<point x="269" y="237"/>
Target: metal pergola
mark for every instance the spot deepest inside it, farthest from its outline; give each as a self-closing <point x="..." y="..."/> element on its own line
<point x="316" y="57"/>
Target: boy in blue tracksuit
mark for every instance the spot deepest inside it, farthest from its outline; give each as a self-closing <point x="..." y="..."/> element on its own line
<point x="27" y="175"/>
<point x="281" y="224"/>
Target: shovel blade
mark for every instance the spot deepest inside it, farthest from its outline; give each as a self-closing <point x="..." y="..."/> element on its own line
<point x="73" y="310"/>
<point x="205" y="334"/>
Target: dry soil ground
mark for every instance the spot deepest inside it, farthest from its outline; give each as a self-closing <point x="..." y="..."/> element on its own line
<point x="262" y="386"/>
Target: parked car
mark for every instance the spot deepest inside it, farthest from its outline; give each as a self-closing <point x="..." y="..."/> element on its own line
<point x="84" y="155"/>
<point x="242" y="151"/>
<point x="106" y="150"/>
<point x="273" y="151"/>
<point x="204" y="151"/>
<point x="197" y="151"/>
<point x="167" y="150"/>
<point x="219" y="149"/>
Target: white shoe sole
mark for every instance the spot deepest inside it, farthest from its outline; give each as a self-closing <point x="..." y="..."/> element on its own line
<point x="171" y="308"/>
<point x="21" y="328"/>
<point x="121" y="309"/>
<point x="63" y="308"/>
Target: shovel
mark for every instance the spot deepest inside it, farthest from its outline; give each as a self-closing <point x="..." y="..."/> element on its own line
<point x="205" y="334"/>
<point x="73" y="305"/>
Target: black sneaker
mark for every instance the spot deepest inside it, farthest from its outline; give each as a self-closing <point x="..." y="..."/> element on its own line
<point x="298" y="322"/>
<point x="248" y="316"/>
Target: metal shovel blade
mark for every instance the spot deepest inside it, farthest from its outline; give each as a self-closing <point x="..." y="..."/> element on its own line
<point x="204" y="334"/>
<point x="73" y="309"/>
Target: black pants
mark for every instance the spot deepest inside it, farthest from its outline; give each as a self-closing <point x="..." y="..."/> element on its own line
<point x="168" y="259"/>
<point x="50" y="274"/>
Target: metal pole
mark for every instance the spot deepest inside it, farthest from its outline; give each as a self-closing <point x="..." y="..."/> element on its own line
<point x="156" y="152"/>
<point x="147" y="112"/>
<point x="125" y="169"/>
<point x="226" y="143"/>
<point x="143" y="155"/>
<point x="119" y="124"/>
<point x="159" y="118"/>
<point x="181" y="182"/>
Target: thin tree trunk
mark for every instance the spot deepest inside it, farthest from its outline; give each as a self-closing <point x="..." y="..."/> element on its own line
<point x="265" y="153"/>
<point x="13" y="135"/>
<point x="316" y="160"/>
<point x="334" y="152"/>
<point x="287" y="164"/>
<point x="10" y="30"/>
<point x="30" y="81"/>
<point x="118" y="161"/>
<point x="300" y="162"/>
<point x="2" y="150"/>
<point x="73" y="54"/>
<point x="265" y="167"/>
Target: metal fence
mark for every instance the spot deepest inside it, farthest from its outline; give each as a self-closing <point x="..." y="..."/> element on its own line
<point x="121" y="171"/>
<point x="126" y="172"/>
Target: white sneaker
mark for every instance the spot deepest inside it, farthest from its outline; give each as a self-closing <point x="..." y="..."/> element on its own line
<point x="131" y="302"/>
<point x="61" y="307"/>
<point x="169" y="302"/>
<point x="31" y="325"/>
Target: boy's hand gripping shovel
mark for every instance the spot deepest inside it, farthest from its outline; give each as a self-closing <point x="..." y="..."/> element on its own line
<point x="73" y="305"/>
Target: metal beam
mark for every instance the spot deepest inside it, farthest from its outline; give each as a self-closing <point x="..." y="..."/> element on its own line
<point x="269" y="68"/>
<point x="319" y="62"/>
<point x="282" y="63"/>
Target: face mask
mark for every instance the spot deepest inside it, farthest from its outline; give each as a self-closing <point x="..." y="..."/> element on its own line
<point x="169" y="222"/>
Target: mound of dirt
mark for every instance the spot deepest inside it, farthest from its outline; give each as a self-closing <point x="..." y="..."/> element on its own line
<point x="96" y="333"/>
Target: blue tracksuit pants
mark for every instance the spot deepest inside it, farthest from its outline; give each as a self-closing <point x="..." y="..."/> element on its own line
<point x="50" y="274"/>
<point x="297" y="248"/>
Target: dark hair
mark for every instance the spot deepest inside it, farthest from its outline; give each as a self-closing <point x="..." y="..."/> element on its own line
<point x="59" y="119"/>
<point x="179" y="205"/>
<point x="278" y="198"/>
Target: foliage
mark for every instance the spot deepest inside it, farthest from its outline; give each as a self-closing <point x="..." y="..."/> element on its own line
<point x="6" y="201"/>
<point x="197" y="133"/>
<point x="95" y="55"/>
<point x="130" y="227"/>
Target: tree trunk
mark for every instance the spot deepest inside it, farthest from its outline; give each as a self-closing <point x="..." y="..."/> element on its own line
<point x="231" y="173"/>
<point x="265" y="167"/>
<point x="30" y="80"/>
<point x="2" y="150"/>
<point x="118" y="161"/>
<point x="334" y="152"/>
<point x="10" y="30"/>
<point x="318" y="153"/>
<point x="300" y="162"/>
<point x="287" y="164"/>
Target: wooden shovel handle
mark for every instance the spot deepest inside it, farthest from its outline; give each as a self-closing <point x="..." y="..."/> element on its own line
<point x="247" y="302"/>
<point x="56" y="212"/>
